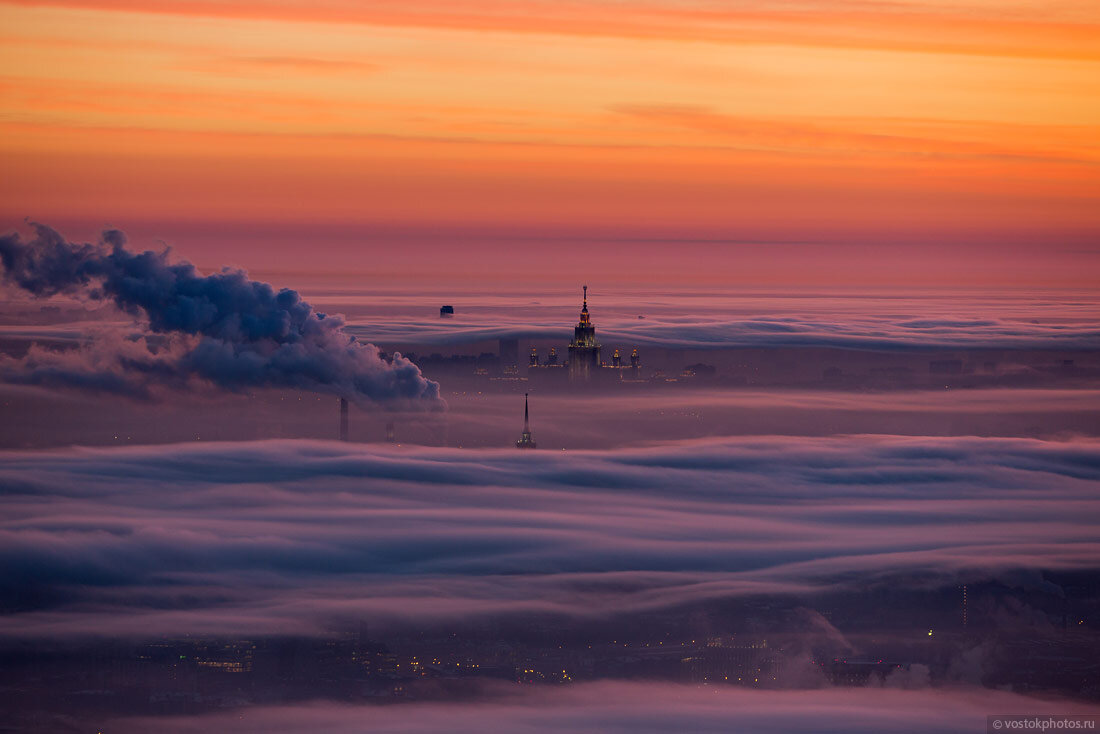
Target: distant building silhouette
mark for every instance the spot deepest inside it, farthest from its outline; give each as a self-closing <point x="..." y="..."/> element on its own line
<point x="509" y="354"/>
<point x="446" y="312"/>
<point x="525" y="441"/>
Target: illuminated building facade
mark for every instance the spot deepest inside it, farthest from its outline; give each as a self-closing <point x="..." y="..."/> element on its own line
<point x="509" y="355"/>
<point x="584" y="350"/>
<point x="583" y="365"/>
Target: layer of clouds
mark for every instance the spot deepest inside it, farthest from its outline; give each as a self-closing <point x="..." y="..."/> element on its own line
<point x="224" y="329"/>
<point x="40" y="418"/>
<point x="717" y="320"/>
<point x="610" y="707"/>
<point x="700" y="333"/>
<point x="408" y="320"/>
<point x="272" y="537"/>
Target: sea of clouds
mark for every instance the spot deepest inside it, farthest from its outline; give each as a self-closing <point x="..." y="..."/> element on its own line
<point x="278" y="537"/>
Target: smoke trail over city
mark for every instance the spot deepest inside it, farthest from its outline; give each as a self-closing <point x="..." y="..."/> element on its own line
<point x="223" y="329"/>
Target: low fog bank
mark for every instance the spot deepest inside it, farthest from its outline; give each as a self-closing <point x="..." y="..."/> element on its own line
<point x="190" y="579"/>
<point x="39" y="418"/>
<point x="687" y="319"/>
<point x="608" y="708"/>
<point x="288" y="537"/>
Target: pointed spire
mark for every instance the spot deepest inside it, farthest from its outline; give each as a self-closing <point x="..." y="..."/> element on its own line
<point x="525" y="441"/>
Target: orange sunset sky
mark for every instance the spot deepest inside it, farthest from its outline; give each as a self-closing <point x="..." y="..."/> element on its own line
<point x="829" y="141"/>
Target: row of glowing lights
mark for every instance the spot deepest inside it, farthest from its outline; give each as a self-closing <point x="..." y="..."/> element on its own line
<point x="416" y="665"/>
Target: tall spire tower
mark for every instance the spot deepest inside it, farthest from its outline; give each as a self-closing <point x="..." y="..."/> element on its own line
<point x="584" y="350"/>
<point x="525" y="441"/>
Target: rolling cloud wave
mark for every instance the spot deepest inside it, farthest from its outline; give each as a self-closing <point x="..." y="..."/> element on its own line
<point x="862" y="332"/>
<point x="278" y="536"/>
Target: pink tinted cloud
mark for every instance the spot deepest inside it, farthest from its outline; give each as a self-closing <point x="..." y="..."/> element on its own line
<point x="611" y="707"/>
<point x="273" y="536"/>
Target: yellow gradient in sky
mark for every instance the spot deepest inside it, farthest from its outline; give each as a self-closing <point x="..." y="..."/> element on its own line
<point x="968" y="121"/>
